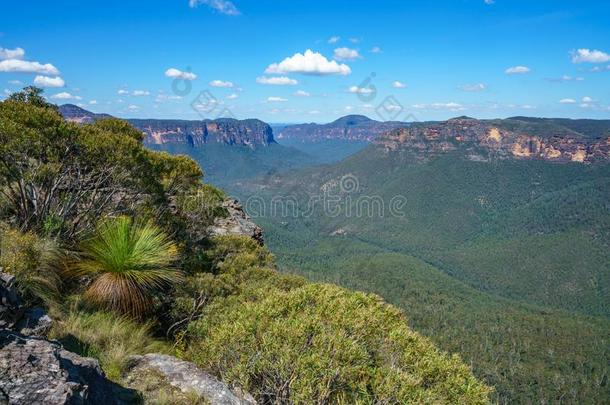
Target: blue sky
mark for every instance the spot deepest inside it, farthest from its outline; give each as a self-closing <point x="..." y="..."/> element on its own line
<point x="400" y="60"/>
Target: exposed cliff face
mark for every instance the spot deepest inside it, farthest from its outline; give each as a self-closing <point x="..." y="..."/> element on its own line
<point x="349" y="128"/>
<point x="499" y="139"/>
<point x="251" y="132"/>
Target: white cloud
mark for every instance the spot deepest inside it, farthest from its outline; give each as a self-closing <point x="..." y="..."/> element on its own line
<point x="222" y="6"/>
<point x="276" y="99"/>
<point x="333" y="40"/>
<point x="566" y="78"/>
<point x="311" y="63"/>
<point x="567" y="101"/>
<point x="600" y="68"/>
<point x="313" y="112"/>
<point x="133" y="107"/>
<point x="15" y="82"/>
<point x="278" y="81"/>
<point x="178" y="74"/>
<point x="301" y="93"/>
<point x="440" y="106"/>
<point x="489" y="2"/>
<point x="93" y="102"/>
<point x="360" y="90"/>
<point x="473" y="87"/>
<point x="346" y="54"/>
<point x="398" y="85"/>
<point x="232" y="96"/>
<point x="65" y="96"/>
<point x="589" y="56"/>
<point x="46" y="81"/>
<point x="517" y="70"/>
<point x="587" y="99"/>
<point x="221" y="83"/>
<point x="122" y="92"/>
<point x="140" y="93"/>
<point x="376" y="49"/>
<point x="161" y="98"/>
<point x="354" y="40"/>
<point x="22" y="66"/>
<point x="16" y="53"/>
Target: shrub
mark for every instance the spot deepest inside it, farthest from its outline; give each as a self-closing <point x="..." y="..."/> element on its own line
<point x="34" y="263"/>
<point x="322" y="344"/>
<point x="128" y="261"/>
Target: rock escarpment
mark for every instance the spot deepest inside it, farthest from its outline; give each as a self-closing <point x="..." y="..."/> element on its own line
<point x="496" y="139"/>
<point x="236" y="222"/>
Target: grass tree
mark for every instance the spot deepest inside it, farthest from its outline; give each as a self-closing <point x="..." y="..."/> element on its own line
<point x="128" y="261"/>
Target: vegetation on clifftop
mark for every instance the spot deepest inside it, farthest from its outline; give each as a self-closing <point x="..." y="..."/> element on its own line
<point x="87" y="189"/>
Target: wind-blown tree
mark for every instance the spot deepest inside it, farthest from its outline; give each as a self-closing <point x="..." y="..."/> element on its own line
<point x="128" y="261"/>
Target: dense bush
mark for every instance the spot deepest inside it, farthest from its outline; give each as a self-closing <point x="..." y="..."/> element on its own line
<point x="34" y="261"/>
<point x="322" y="344"/>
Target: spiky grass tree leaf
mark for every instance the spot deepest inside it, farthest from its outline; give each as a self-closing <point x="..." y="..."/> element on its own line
<point x="128" y="260"/>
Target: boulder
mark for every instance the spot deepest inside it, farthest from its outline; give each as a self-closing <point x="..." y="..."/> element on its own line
<point x="38" y="371"/>
<point x="237" y="222"/>
<point x="183" y="376"/>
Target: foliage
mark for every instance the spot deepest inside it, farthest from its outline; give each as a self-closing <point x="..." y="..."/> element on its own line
<point x="128" y="262"/>
<point x="34" y="262"/>
<point x="322" y="344"/>
<point x="487" y="260"/>
<point x="107" y="337"/>
<point x="60" y="177"/>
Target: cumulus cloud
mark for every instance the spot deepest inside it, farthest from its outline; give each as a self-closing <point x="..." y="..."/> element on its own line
<point x="46" y="81"/>
<point x="133" y="107"/>
<point x="65" y="96"/>
<point x="278" y="81"/>
<point x="93" y="102"/>
<point x="346" y="54"/>
<point x="473" y="87"/>
<point x="333" y="40"/>
<point x="376" y="49"/>
<point x="587" y="99"/>
<point x="398" y="85"/>
<point x="16" y="53"/>
<point x="15" y="82"/>
<point x="276" y="99"/>
<point x="221" y="83"/>
<point x="232" y="96"/>
<point x="517" y="70"/>
<point x="301" y="93"/>
<point x="584" y="55"/>
<point x="567" y="101"/>
<point x="222" y="6"/>
<point x="140" y="93"/>
<point x="310" y="63"/>
<point x="360" y="90"/>
<point x="22" y="66"/>
<point x="178" y="74"/>
<point x="122" y="92"/>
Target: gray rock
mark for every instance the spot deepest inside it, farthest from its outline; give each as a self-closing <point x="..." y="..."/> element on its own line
<point x="186" y="377"/>
<point x="11" y="306"/>
<point x="37" y="371"/>
<point x="34" y="322"/>
<point x="236" y="223"/>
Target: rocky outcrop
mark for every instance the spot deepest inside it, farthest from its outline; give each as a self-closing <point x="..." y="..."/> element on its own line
<point x="252" y="133"/>
<point x="183" y="376"/>
<point x="497" y="139"/>
<point x="356" y="128"/>
<point x="15" y="316"/>
<point x="237" y="222"/>
<point x="37" y="371"/>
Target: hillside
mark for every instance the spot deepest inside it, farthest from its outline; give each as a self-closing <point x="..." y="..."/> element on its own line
<point x="352" y="128"/>
<point x="500" y="257"/>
